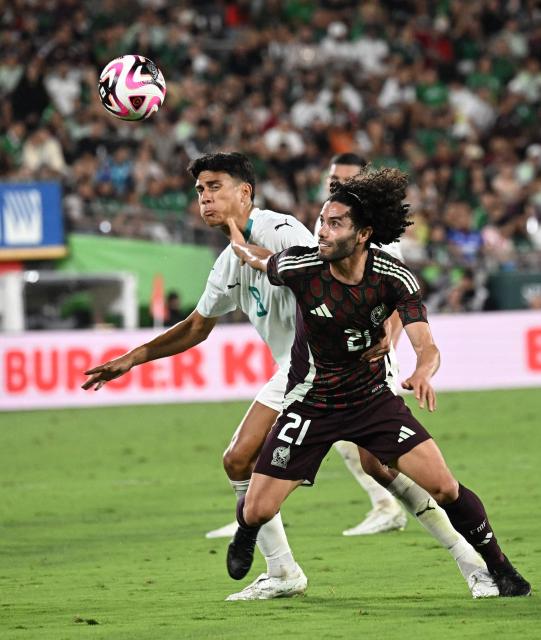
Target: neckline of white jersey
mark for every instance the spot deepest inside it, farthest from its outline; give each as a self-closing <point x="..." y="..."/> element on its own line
<point x="247" y="232"/>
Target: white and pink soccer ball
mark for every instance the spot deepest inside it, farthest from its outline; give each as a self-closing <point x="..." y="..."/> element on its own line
<point x="131" y="87"/>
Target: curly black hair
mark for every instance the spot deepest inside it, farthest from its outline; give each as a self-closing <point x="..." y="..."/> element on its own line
<point x="237" y="165"/>
<point x="375" y="199"/>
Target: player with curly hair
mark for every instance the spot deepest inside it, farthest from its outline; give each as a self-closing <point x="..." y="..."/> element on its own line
<point x="344" y="290"/>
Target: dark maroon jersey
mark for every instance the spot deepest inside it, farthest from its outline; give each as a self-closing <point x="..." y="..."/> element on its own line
<point x="336" y="322"/>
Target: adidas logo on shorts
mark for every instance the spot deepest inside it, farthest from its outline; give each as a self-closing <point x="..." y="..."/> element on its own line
<point x="405" y="433"/>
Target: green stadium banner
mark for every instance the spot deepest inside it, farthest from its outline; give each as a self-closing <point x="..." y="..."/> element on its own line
<point x="184" y="268"/>
<point x="514" y="290"/>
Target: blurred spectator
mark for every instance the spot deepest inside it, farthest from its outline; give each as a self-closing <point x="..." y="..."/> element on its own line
<point x="12" y="143"/>
<point x="283" y="135"/>
<point x="43" y="151"/>
<point x="63" y="85"/>
<point x="30" y="98"/>
<point x="527" y="82"/>
<point x="173" y="309"/>
<point x="465" y="242"/>
<point x="466" y="295"/>
<point x="309" y="109"/>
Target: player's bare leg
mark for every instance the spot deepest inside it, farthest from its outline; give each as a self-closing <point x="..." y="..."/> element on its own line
<point x="258" y="507"/>
<point x="283" y="577"/>
<point x="386" y="513"/>
<point x="434" y="519"/>
<point x="240" y="456"/>
<point x="425" y="465"/>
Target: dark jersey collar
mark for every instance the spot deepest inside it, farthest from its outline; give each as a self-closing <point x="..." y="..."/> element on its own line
<point x="369" y="262"/>
<point x="367" y="270"/>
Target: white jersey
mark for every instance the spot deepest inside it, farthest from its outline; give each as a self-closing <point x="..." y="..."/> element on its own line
<point x="392" y="249"/>
<point x="231" y="286"/>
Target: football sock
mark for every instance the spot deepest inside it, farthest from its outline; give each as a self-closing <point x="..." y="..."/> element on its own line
<point x="240" y="516"/>
<point x="434" y="519"/>
<point x="271" y="540"/>
<point x="469" y="518"/>
<point x="350" y="454"/>
<point x="240" y="487"/>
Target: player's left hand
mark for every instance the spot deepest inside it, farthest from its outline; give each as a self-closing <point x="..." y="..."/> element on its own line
<point x="423" y="391"/>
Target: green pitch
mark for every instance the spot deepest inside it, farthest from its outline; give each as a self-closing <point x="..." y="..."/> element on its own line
<point x="103" y="514"/>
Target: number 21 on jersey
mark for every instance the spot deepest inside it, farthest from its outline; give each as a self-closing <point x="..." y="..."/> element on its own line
<point x="358" y="340"/>
<point x="294" y="424"/>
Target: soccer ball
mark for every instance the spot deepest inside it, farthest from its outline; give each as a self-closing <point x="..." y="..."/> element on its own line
<point x="131" y="87"/>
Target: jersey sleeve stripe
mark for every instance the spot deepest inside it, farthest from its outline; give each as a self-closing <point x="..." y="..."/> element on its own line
<point x="288" y="267"/>
<point x="286" y="263"/>
<point x="406" y="272"/>
<point x="288" y="258"/>
<point x="398" y="269"/>
<point x="398" y="276"/>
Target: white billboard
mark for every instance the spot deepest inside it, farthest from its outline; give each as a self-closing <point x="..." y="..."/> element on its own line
<point x="45" y="369"/>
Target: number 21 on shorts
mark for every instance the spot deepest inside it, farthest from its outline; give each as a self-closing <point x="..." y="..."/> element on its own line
<point x="294" y="424"/>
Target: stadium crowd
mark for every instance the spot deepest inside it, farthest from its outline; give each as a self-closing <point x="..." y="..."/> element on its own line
<point x="449" y="91"/>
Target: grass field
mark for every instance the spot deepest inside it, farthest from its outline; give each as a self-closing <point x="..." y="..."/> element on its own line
<point x="103" y="513"/>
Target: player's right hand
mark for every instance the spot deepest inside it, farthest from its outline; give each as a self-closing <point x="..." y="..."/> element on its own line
<point x="234" y="232"/>
<point x="107" y="371"/>
<point x="381" y="348"/>
<point x="422" y="389"/>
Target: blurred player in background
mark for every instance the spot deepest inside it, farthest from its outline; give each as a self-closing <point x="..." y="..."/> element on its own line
<point x="386" y="513"/>
<point x="225" y="184"/>
<point x="332" y="392"/>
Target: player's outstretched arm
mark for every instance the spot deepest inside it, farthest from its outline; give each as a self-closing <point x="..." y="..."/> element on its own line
<point x="181" y="337"/>
<point x="251" y="254"/>
<point x="428" y="361"/>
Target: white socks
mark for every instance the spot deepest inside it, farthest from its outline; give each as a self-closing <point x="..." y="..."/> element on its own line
<point x="350" y="453"/>
<point x="434" y="519"/>
<point x="271" y="540"/>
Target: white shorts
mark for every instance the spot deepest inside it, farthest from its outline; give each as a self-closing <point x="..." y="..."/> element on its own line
<point x="392" y="371"/>
<point x="272" y="394"/>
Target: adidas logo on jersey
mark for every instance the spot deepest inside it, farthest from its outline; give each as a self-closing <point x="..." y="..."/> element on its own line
<point x="321" y="311"/>
<point x="405" y="433"/>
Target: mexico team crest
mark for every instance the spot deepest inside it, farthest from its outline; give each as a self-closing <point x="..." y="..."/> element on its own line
<point x="378" y="314"/>
<point x="280" y="457"/>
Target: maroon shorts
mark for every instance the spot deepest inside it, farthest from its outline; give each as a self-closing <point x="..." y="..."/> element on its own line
<point x="302" y="435"/>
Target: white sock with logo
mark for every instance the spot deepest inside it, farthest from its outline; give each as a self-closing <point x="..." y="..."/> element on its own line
<point x="271" y="540"/>
<point x="434" y="519"/>
<point x="350" y="453"/>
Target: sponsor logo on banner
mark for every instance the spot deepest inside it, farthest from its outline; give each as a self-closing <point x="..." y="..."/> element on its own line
<point x="22" y="215"/>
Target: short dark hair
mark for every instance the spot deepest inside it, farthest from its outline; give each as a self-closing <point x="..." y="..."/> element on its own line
<point x="348" y="158"/>
<point x="235" y="164"/>
<point x="375" y="199"/>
